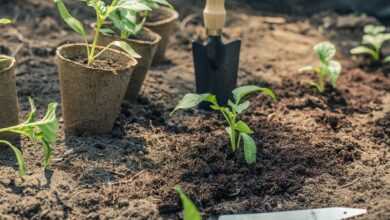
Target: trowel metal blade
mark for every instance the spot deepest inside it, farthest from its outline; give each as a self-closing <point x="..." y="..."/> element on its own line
<point x="338" y="213"/>
<point x="216" y="67"/>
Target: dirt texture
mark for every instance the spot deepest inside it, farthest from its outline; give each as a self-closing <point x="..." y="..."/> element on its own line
<point x="313" y="150"/>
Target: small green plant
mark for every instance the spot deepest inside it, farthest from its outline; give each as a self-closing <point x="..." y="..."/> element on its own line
<point x="190" y="211"/>
<point x="43" y="131"/>
<point x="130" y="20"/>
<point x="373" y="39"/>
<point x="103" y="11"/>
<point x="329" y="70"/>
<point x="237" y="130"/>
<point x="4" y="21"/>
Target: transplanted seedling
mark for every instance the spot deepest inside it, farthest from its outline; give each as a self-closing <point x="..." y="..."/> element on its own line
<point x="103" y="11"/>
<point x="237" y="130"/>
<point x="43" y="131"/>
<point x="373" y="39"/>
<point x="130" y="20"/>
<point x="329" y="70"/>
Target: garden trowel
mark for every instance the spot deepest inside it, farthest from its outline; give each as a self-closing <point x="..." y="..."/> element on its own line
<point x="216" y="63"/>
<point x="338" y="213"/>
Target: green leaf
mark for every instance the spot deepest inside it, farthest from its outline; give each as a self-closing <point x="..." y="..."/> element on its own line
<point x="325" y="51"/>
<point x="365" y="50"/>
<point x="72" y="22"/>
<point x="5" y="21"/>
<point x="374" y="29"/>
<point x="127" y="48"/>
<point x="244" y="91"/>
<point x="387" y="60"/>
<point x="242" y="107"/>
<point x="242" y="127"/>
<point x="192" y="100"/>
<point x="191" y="212"/>
<point x="19" y="157"/>
<point x="334" y="69"/>
<point x="164" y="3"/>
<point x="250" y="149"/>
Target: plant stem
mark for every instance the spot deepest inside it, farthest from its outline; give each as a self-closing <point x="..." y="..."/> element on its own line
<point x="91" y="55"/>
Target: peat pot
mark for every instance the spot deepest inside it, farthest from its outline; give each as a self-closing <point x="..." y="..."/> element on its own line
<point x="9" y="109"/>
<point x="92" y="94"/>
<point x="162" y="21"/>
<point x="145" y="44"/>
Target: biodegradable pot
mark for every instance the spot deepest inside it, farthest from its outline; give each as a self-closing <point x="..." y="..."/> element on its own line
<point x="91" y="95"/>
<point x="162" y="21"/>
<point x="146" y="46"/>
<point x="9" y="109"/>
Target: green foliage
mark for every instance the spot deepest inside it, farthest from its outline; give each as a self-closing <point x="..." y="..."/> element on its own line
<point x="43" y="131"/>
<point x="329" y="70"/>
<point x="4" y="21"/>
<point x="103" y="11"/>
<point x="130" y="20"/>
<point x="191" y="212"/>
<point x="373" y="39"/>
<point x="237" y="130"/>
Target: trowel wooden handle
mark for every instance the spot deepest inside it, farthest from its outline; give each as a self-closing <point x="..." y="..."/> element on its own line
<point x="214" y="17"/>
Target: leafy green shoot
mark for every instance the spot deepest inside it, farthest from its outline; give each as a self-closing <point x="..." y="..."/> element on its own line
<point x="373" y="39"/>
<point x="329" y="70"/>
<point x="44" y="131"/>
<point x="191" y="212"/>
<point x="102" y="11"/>
<point x="237" y="130"/>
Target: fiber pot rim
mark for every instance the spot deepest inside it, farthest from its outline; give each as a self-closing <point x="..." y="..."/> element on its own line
<point x="11" y="65"/>
<point x="174" y="16"/>
<point x="132" y="61"/>
<point x="157" y="38"/>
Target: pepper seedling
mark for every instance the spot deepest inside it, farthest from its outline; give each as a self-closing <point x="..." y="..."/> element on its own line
<point x="130" y="20"/>
<point x="373" y="39"/>
<point x="103" y="11"/>
<point x="190" y="211"/>
<point x="237" y="130"/>
<point x="329" y="70"/>
<point x="43" y="131"/>
<point x="4" y="21"/>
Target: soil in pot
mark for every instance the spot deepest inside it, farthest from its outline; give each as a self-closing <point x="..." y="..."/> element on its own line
<point x="162" y="21"/>
<point x="9" y="109"/>
<point x="145" y="44"/>
<point x="92" y="95"/>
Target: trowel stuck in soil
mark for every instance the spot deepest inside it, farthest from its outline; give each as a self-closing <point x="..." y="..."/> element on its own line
<point x="313" y="149"/>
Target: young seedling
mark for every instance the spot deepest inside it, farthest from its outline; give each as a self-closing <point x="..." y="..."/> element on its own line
<point x="329" y="70"/>
<point x="190" y="211"/>
<point x="43" y="131"/>
<point x="237" y="130"/>
<point x="4" y="21"/>
<point x="373" y="39"/>
<point x="130" y="20"/>
<point x="103" y="11"/>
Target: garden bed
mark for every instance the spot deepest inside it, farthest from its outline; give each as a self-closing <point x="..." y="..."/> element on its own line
<point x="313" y="150"/>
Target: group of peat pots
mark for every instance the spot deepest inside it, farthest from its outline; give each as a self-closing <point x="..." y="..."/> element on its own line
<point x="92" y="94"/>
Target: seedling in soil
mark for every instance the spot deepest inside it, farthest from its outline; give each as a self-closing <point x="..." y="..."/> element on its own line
<point x="190" y="211"/>
<point x="373" y="39"/>
<point x="130" y="20"/>
<point x="329" y="70"/>
<point x="4" y="21"/>
<point x="237" y="130"/>
<point x="103" y="11"/>
<point x="43" y="131"/>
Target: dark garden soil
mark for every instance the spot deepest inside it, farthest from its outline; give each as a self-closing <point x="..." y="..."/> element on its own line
<point x="313" y="150"/>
